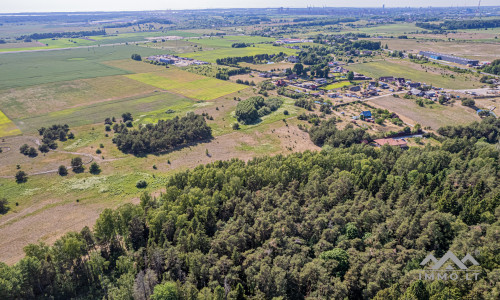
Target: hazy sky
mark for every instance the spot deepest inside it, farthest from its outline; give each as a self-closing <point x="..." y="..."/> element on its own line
<point x="9" y="6"/>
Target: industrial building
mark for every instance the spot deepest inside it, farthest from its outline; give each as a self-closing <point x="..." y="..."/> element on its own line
<point x="450" y="58"/>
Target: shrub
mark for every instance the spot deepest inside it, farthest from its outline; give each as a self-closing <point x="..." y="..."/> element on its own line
<point x="62" y="171"/>
<point x="141" y="184"/>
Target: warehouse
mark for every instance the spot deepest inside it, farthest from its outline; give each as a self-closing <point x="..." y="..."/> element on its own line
<point x="450" y="58"/>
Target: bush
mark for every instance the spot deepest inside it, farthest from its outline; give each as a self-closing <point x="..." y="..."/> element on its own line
<point x="21" y="177"/>
<point x="136" y="57"/>
<point x="468" y="102"/>
<point x="98" y="151"/>
<point x="285" y="112"/>
<point x="236" y="126"/>
<point x="141" y="184"/>
<point x="62" y="171"/>
<point x="94" y="168"/>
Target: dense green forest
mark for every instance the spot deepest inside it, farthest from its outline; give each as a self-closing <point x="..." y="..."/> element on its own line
<point x="250" y="110"/>
<point x="344" y="223"/>
<point x="165" y="135"/>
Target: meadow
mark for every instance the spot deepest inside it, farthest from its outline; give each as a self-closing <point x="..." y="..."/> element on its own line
<point x="188" y="84"/>
<point x="433" y="116"/>
<point x="27" y="69"/>
<point x="152" y="107"/>
<point x="51" y="97"/>
<point x="415" y="72"/>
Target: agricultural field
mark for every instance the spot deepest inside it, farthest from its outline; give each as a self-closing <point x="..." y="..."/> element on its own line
<point x="433" y="116"/>
<point x="34" y="68"/>
<point x="56" y="96"/>
<point x="188" y="84"/>
<point x="268" y="67"/>
<point x="7" y="127"/>
<point x="416" y="72"/>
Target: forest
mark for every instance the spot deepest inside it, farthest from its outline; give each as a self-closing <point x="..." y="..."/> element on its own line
<point x="350" y="222"/>
<point x="250" y="110"/>
<point x="164" y="135"/>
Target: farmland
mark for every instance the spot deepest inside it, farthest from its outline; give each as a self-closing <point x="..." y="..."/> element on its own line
<point x="188" y="84"/>
<point x="28" y="69"/>
<point x="336" y="85"/>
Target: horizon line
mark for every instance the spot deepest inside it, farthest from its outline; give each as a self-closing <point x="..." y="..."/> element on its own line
<point x="229" y="8"/>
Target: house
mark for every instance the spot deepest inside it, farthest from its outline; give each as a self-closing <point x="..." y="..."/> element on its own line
<point x="386" y="79"/>
<point x="338" y="70"/>
<point x="292" y="76"/>
<point x="391" y="142"/>
<point x="415" y="92"/>
<point x="293" y="59"/>
<point x="361" y="77"/>
<point x="320" y="80"/>
<point x="414" y="84"/>
<point x="367" y="52"/>
<point x="370" y="93"/>
<point x="310" y="86"/>
<point x="332" y="63"/>
<point x="265" y="75"/>
<point x="280" y="82"/>
<point x="355" y="88"/>
<point x="399" y="81"/>
<point x="334" y="95"/>
<point x="366" y="114"/>
<point x="430" y="94"/>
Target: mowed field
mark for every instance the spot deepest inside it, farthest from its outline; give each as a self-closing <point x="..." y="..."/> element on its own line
<point x="188" y="84"/>
<point x="51" y="97"/>
<point x="415" y="72"/>
<point x="433" y="116"/>
<point x="7" y="127"/>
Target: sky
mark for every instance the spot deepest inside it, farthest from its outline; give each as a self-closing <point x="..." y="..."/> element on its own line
<point x="11" y="6"/>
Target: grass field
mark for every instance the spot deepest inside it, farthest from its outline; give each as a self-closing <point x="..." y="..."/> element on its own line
<point x="227" y="41"/>
<point x="212" y="55"/>
<point x="7" y="127"/>
<point x="408" y="70"/>
<point x="27" y="69"/>
<point x="50" y="97"/>
<point x="152" y="107"/>
<point x="435" y="117"/>
<point x="188" y="84"/>
<point x="336" y="85"/>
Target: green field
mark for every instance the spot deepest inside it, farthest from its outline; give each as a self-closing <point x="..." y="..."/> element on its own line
<point x="188" y="84"/>
<point x="7" y="127"/>
<point x="151" y="108"/>
<point x="336" y="85"/>
<point x="227" y="41"/>
<point x="212" y="55"/>
<point x="27" y="69"/>
<point x="414" y="72"/>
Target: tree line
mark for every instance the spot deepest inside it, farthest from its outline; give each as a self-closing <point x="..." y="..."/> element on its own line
<point x="49" y="35"/>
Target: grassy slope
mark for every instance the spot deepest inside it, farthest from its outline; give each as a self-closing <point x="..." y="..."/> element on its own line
<point x="7" y="127"/>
